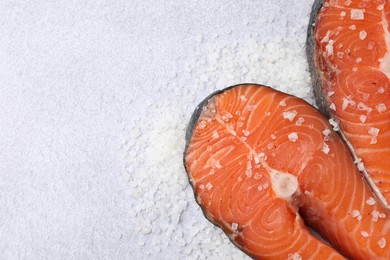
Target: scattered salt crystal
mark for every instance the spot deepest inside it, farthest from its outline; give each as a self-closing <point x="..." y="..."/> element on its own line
<point x="359" y="218"/>
<point x="382" y="242"/>
<point x="294" y="256"/>
<point x="239" y="178"/>
<point x="325" y="148"/>
<point x="357" y="14"/>
<point x="382" y="215"/>
<point x="228" y="115"/>
<point x="246" y="132"/>
<point x="259" y="187"/>
<point x="379" y="7"/>
<point x="267" y="113"/>
<point x="326" y="132"/>
<point x="373" y="140"/>
<point x="345" y="104"/>
<point x="355" y="213"/>
<point x="243" y="139"/>
<point x="282" y="103"/>
<point x="373" y="131"/>
<point x="340" y="54"/>
<point x="234" y="227"/>
<point x="273" y="137"/>
<point x="362" y="106"/>
<point x="300" y="121"/>
<point x="233" y="132"/>
<point x="334" y="124"/>
<point x="364" y="233"/>
<point x="360" y="166"/>
<point x="212" y="172"/>
<point x="348" y="2"/>
<point x="265" y="185"/>
<point x="243" y="98"/>
<point x="209" y="186"/>
<point x="381" y="107"/>
<point x="332" y="106"/>
<point x="290" y="115"/>
<point x="358" y="60"/>
<point x="201" y="186"/>
<point x="371" y="201"/>
<point x="352" y="27"/>
<point x="363" y="118"/>
<point x="375" y="215"/>
<point x="354" y="69"/>
<point x="293" y="137"/>
<point x="329" y="48"/>
<point x="381" y="90"/>
<point x="240" y="123"/>
<point x="330" y="93"/>
<point x="326" y="37"/>
<point x="215" y="134"/>
<point x="342" y="14"/>
<point x="362" y="35"/>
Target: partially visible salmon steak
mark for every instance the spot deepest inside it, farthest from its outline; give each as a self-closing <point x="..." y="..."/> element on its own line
<point x="348" y="49"/>
<point x="265" y="166"/>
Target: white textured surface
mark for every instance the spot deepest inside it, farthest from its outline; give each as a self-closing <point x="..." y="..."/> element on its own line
<point x="94" y="100"/>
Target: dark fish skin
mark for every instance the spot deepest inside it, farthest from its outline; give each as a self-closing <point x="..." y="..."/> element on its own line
<point x="310" y="50"/>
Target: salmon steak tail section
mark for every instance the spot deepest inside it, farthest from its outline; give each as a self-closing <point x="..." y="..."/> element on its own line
<point x="267" y="168"/>
<point x="348" y="50"/>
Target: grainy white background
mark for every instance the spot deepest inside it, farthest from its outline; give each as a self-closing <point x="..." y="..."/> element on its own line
<point x="94" y="100"/>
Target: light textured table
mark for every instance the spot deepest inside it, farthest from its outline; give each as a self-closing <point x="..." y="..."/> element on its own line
<point x="94" y="100"/>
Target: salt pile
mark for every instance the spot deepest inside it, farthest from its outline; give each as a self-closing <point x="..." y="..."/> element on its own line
<point x="168" y="220"/>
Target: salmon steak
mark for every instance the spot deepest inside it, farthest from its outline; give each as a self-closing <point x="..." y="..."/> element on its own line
<point x="268" y="168"/>
<point x="348" y="49"/>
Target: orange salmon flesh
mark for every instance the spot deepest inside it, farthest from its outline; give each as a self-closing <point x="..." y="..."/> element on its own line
<point x="265" y="166"/>
<point x="351" y="67"/>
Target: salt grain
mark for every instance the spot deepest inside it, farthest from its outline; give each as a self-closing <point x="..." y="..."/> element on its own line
<point x="375" y="215"/>
<point x="290" y="115"/>
<point x="381" y="108"/>
<point x="293" y="137"/>
<point x="379" y="7"/>
<point x="362" y="35"/>
<point x="364" y="233"/>
<point x="355" y="213"/>
<point x="382" y="242"/>
<point x="325" y="148"/>
<point x="246" y="132"/>
<point x="215" y="134"/>
<point x="363" y="118"/>
<point x="371" y="201"/>
<point x="234" y="227"/>
<point x="357" y="14"/>
<point x="332" y="106"/>
<point x="342" y="14"/>
<point x="352" y="27"/>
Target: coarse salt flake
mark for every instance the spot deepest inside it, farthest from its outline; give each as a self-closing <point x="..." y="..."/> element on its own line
<point x="234" y="227"/>
<point x="379" y="7"/>
<point x="332" y="106"/>
<point x="382" y="242"/>
<point x="371" y="201"/>
<point x="290" y="115"/>
<point x="364" y="233"/>
<point x="246" y="132"/>
<point x="373" y="131"/>
<point x="251" y="108"/>
<point x="362" y="35"/>
<point x="375" y="215"/>
<point x="209" y="186"/>
<point x="259" y="187"/>
<point x="363" y="118"/>
<point x="342" y="14"/>
<point x="381" y="90"/>
<point x="325" y="148"/>
<point x="381" y="108"/>
<point x="293" y="137"/>
<point x="243" y="98"/>
<point x="360" y="166"/>
<point x="382" y="215"/>
<point x="329" y="48"/>
<point x="294" y="256"/>
<point x="357" y="14"/>
<point x="300" y="121"/>
<point x="352" y="27"/>
<point x="334" y="124"/>
<point x="326" y="132"/>
<point x="282" y="103"/>
<point x="355" y="213"/>
<point x="215" y="134"/>
<point x="330" y="93"/>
